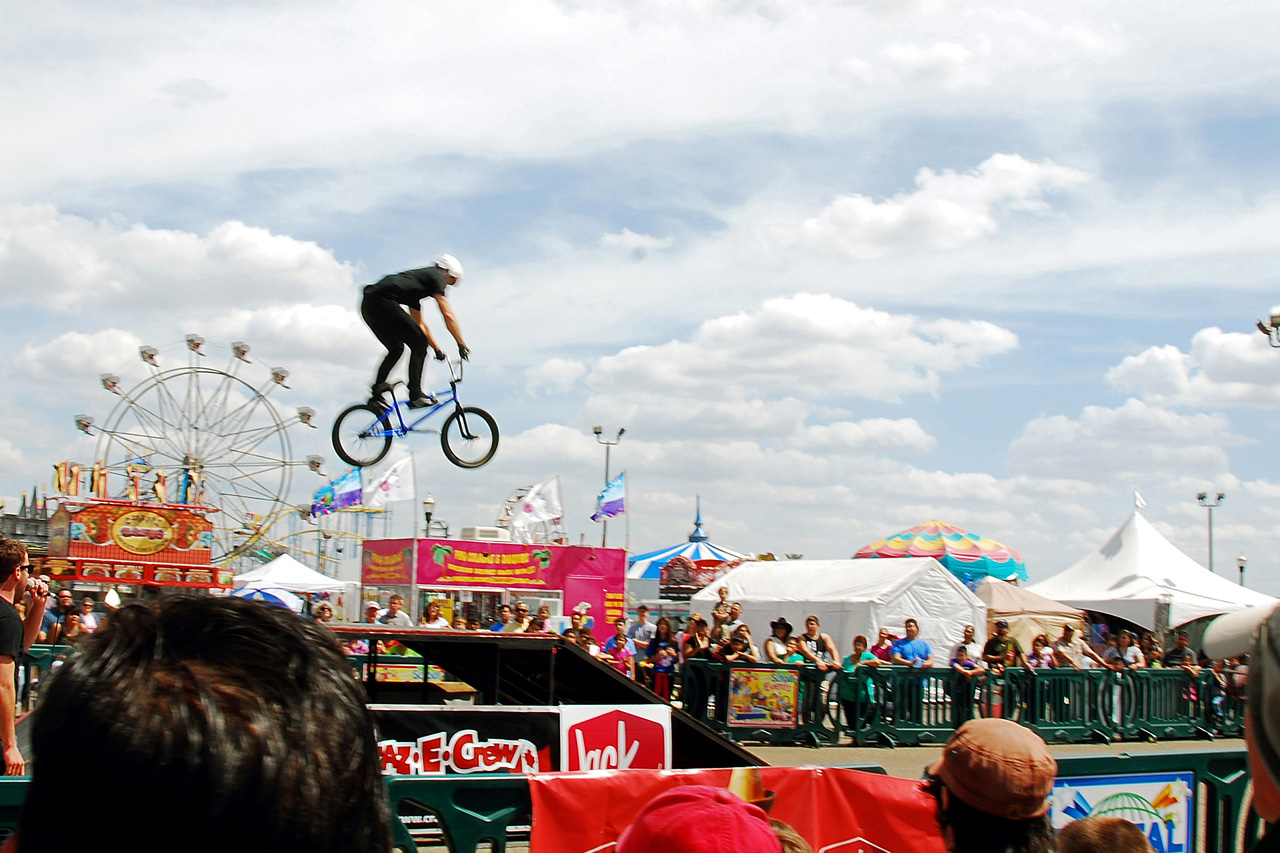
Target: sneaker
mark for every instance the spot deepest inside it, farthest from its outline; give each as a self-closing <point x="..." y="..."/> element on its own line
<point x="377" y="392"/>
<point x="421" y="401"/>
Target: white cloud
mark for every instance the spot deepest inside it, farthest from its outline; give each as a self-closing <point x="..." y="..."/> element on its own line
<point x="63" y="261"/>
<point x="557" y="375"/>
<point x="946" y="211"/>
<point x="874" y="435"/>
<point x="74" y="357"/>
<point x="1134" y="444"/>
<point x="1221" y="369"/>
<point x="637" y="246"/>
<point x="811" y="346"/>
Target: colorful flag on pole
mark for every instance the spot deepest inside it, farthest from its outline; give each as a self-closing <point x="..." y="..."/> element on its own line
<point x="393" y="485"/>
<point x="612" y="499"/>
<point x="342" y="492"/>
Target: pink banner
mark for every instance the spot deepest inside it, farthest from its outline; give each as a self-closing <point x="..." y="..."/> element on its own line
<point x="595" y="577"/>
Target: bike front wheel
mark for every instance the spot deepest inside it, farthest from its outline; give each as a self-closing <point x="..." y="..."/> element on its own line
<point x="360" y="435"/>
<point x="469" y="437"/>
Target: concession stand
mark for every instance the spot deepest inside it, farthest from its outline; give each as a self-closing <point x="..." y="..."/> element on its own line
<point x="473" y="579"/>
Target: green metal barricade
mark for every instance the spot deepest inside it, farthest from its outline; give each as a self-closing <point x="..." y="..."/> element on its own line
<point x="899" y="705"/>
<point x="1222" y="820"/>
<point x="1060" y="705"/>
<point x="1167" y="705"/>
<point x="765" y="703"/>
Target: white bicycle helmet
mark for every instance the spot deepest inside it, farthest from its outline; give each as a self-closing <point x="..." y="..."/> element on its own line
<point x="450" y="264"/>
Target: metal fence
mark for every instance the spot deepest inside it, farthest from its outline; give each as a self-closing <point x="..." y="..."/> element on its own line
<point x="894" y="705"/>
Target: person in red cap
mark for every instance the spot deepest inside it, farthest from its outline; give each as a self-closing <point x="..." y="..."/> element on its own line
<point x="699" y="819"/>
<point x="992" y="785"/>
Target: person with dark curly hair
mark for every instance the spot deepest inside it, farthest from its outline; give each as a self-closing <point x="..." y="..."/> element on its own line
<point x="220" y="724"/>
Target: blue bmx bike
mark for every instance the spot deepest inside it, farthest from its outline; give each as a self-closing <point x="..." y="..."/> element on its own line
<point x="362" y="434"/>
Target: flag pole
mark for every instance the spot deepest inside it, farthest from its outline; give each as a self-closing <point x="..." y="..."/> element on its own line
<point x="413" y="568"/>
<point x="626" y="511"/>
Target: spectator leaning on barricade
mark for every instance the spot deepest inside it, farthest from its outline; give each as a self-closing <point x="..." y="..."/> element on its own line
<point x="972" y="650"/>
<point x="1003" y="650"/>
<point x="992" y="785"/>
<point x="1125" y="654"/>
<point x="1072" y="651"/>
<point x="520" y="621"/>
<point x="775" y="647"/>
<point x="911" y="650"/>
<point x="504" y="616"/>
<point x="1181" y="655"/>
<point x="233" y="725"/>
<point x="883" y="647"/>
<point x="1041" y="655"/>
<point x="744" y="630"/>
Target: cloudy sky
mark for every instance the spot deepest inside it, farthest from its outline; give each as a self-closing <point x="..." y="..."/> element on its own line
<point x="837" y="266"/>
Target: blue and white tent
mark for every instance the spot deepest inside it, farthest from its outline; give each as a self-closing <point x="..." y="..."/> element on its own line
<point x="698" y="549"/>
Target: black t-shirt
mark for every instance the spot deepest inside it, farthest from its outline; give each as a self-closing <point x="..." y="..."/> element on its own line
<point x="412" y="286"/>
<point x="10" y="631"/>
<point x="1179" y="657"/>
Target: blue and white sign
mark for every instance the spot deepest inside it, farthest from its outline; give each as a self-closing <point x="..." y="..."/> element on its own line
<point x="1160" y="804"/>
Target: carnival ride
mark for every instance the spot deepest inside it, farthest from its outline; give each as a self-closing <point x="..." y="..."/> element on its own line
<point x="198" y="434"/>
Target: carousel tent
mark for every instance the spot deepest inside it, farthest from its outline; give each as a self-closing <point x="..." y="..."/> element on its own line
<point x="284" y="572"/>
<point x="852" y="597"/>
<point x="1137" y="568"/>
<point x="1027" y="613"/>
<point x="698" y="549"/>
<point x="970" y="556"/>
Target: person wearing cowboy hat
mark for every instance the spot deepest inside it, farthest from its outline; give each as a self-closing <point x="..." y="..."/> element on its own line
<point x="775" y="647"/>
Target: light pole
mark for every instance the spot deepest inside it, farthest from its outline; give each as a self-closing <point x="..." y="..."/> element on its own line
<point x="1210" y="505"/>
<point x="1240" y="561"/>
<point x="608" y="446"/>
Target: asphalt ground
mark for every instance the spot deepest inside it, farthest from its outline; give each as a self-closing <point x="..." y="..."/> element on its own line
<point x="908" y="762"/>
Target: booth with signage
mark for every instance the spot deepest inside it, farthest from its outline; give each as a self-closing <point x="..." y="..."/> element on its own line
<point x="107" y="541"/>
<point x="474" y="579"/>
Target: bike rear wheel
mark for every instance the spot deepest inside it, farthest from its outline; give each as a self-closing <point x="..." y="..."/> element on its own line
<point x="469" y="437"/>
<point x="359" y="434"/>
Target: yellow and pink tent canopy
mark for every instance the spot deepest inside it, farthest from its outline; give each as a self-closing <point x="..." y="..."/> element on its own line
<point x="970" y="556"/>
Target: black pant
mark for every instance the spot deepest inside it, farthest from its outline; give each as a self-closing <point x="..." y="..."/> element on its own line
<point x="395" y="329"/>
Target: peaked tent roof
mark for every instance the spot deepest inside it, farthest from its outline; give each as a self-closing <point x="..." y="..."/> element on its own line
<point x="284" y="572"/>
<point x="1003" y="597"/>
<point x="698" y="549"/>
<point x="1134" y="569"/>
<point x="970" y="556"/>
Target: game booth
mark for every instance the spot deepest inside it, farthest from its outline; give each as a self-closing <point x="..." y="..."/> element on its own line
<point x="122" y="542"/>
<point x="474" y="578"/>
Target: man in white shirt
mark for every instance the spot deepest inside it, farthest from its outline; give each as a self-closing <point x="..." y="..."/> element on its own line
<point x="395" y="613"/>
<point x="1073" y="651"/>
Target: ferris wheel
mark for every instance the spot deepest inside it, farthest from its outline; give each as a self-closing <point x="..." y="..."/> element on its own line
<point x="194" y="433"/>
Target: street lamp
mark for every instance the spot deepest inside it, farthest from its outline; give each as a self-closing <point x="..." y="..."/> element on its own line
<point x="1271" y="328"/>
<point x="608" y="446"/>
<point x="1205" y="502"/>
<point x="1240" y="561"/>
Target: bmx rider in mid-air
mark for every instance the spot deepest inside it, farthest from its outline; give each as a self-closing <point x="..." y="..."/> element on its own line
<point x="395" y="329"/>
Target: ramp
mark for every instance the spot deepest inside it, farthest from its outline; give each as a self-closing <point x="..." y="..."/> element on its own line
<point x="531" y="669"/>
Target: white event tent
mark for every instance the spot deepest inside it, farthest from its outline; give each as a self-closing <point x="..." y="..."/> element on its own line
<point x="1028" y="614"/>
<point x="1136" y="568"/>
<point x="852" y="597"/>
<point x="286" y="573"/>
